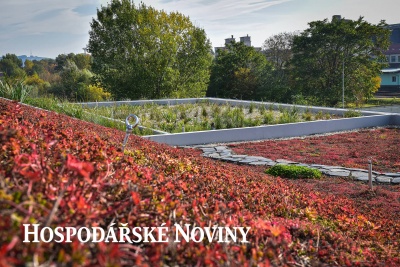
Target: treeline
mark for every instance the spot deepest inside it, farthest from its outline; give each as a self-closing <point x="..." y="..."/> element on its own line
<point x="328" y="63"/>
<point x="67" y="77"/>
<point x="139" y="52"/>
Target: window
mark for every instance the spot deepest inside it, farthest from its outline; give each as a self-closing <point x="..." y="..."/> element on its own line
<point x="394" y="79"/>
<point x="398" y="59"/>
<point x="392" y="58"/>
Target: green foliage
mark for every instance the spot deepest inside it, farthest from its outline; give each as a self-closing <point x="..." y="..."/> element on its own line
<point x="319" y="115"/>
<point x="252" y="107"/>
<point x="307" y="116"/>
<point x="82" y="61"/>
<point x="11" y="65"/>
<point x="325" y="48"/>
<point x="237" y="72"/>
<point x="351" y="113"/>
<point x="294" y="172"/>
<point x="269" y="118"/>
<point x="289" y="115"/>
<point x="14" y="89"/>
<point x="276" y="85"/>
<point x="74" y="84"/>
<point x="140" y="52"/>
<point x="93" y="93"/>
<point x="383" y="101"/>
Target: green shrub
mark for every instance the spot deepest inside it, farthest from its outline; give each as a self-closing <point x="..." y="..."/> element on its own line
<point x="352" y="113"/>
<point x="294" y="172"/>
<point x="14" y="89"/>
<point x="289" y="116"/>
<point x="252" y="107"/>
<point x="204" y="112"/>
<point x="268" y="118"/>
<point x="319" y="115"/>
<point x="307" y="116"/>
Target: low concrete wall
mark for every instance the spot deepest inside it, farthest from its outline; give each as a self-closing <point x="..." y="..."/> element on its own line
<point x="395" y="120"/>
<point x="274" y="131"/>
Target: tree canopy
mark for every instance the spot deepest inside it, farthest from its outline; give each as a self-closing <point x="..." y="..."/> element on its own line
<point x="11" y="65"/>
<point x="327" y="49"/>
<point x="141" y="52"/>
<point x="278" y="51"/>
<point x="237" y="72"/>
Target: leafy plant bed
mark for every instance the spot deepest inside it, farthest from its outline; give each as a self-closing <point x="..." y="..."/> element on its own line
<point x="351" y="150"/>
<point x="294" y="172"/>
<point x="59" y="171"/>
<point x="207" y="116"/>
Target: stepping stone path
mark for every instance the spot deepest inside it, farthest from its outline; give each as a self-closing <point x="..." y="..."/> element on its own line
<point x="223" y="153"/>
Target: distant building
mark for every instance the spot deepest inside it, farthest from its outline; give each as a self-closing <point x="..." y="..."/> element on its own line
<point x="246" y="40"/>
<point x="393" y="53"/>
<point x="390" y="77"/>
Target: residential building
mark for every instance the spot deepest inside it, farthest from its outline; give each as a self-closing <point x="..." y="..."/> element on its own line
<point x="245" y="39"/>
<point x="390" y="77"/>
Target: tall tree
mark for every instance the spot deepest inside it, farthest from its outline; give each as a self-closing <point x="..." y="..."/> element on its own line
<point x="326" y="50"/>
<point x="237" y="72"/>
<point x="140" y="52"/>
<point x="278" y="51"/>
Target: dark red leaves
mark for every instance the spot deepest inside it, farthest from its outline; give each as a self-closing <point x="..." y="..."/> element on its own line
<point x="306" y="223"/>
<point x="83" y="168"/>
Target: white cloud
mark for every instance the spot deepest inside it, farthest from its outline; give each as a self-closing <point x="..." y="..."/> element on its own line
<point x="31" y="17"/>
<point x="214" y="10"/>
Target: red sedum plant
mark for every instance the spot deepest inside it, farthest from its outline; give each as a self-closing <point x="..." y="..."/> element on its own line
<point x="352" y="149"/>
<point x="58" y="171"/>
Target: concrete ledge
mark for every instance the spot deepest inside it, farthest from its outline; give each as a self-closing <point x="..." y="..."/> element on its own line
<point x="275" y="131"/>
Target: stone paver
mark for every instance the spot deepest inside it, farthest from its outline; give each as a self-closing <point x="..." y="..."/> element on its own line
<point x="342" y="173"/>
<point x="220" y="152"/>
<point x="396" y="181"/>
<point x="383" y="179"/>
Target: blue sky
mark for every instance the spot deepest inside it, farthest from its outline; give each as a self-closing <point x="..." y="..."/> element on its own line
<point x="52" y="27"/>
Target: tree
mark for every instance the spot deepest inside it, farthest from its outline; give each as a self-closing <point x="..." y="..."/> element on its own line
<point x="327" y="49"/>
<point x="237" y="72"/>
<point x="38" y="85"/>
<point x="140" y="52"/>
<point x="28" y="67"/>
<point x="11" y="65"/>
<point x="82" y="61"/>
<point x="73" y="82"/>
<point x="278" y="51"/>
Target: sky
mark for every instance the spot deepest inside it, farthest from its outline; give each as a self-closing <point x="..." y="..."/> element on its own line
<point x="48" y="28"/>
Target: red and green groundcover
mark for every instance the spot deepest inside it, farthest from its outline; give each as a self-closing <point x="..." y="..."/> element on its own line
<point x="352" y="150"/>
<point x="61" y="172"/>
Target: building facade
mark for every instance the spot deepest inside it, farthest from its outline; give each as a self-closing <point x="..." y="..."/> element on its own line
<point x="390" y="77"/>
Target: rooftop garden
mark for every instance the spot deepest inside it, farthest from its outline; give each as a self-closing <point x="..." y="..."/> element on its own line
<point x="61" y="171"/>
